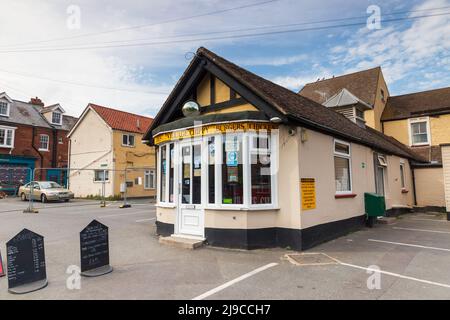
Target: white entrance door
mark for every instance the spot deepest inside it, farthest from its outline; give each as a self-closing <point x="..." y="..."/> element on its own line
<point x="191" y="213"/>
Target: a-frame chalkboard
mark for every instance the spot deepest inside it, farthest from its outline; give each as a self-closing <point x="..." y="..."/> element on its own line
<point x="94" y="250"/>
<point x="26" y="262"/>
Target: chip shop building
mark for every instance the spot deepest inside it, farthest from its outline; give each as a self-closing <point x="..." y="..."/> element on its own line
<point x="245" y="163"/>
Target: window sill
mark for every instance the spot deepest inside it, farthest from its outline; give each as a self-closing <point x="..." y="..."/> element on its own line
<point x="420" y="145"/>
<point x="43" y="150"/>
<point x="6" y="147"/>
<point x="106" y="181"/>
<point x="345" y="195"/>
<point x="405" y="191"/>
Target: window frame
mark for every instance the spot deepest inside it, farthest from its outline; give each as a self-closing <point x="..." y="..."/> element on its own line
<point x="40" y="142"/>
<point x="102" y="171"/>
<point x="8" y="109"/>
<point x="60" y="118"/>
<point x="128" y="135"/>
<point x="426" y="120"/>
<point x="343" y="156"/>
<point x="7" y="129"/>
<point x="152" y="177"/>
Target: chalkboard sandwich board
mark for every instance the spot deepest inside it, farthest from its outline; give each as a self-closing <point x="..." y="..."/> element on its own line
<point x="2" y="272"/>
<point x="26" y="262"/>
<point x="94" y="250"/>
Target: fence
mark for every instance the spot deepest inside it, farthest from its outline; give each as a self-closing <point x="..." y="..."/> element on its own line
<point x="80" y="187"/>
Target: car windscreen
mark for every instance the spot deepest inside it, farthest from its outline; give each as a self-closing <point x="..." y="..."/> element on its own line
<point x="49" y="185"/>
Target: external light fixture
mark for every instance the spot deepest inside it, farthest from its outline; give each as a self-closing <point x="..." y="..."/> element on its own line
<point x="276" y="120"/>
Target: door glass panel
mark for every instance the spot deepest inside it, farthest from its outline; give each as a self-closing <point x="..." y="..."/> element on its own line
<point x="171" y="171"/>
<point x="163" y="173"/>
<point x="186" y="175"/>
<point x="197" y="174"/>
<point x="232" y="170"/>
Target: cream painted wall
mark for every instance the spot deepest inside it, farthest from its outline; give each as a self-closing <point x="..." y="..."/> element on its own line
<point x="222" y="91"/>
<point x="90" y="148"/>
<point x="140" y="156"/>
<point x="430" y="187"/>
<point x="393" y="190"/>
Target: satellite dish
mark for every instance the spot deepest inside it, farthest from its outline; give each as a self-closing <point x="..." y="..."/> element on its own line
<point x="190" y="108"/>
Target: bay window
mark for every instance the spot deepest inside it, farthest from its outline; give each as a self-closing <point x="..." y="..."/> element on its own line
<point x="228" y="171"/>
<point x="342" y="167"/>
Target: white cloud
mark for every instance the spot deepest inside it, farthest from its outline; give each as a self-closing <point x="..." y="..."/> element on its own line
<point x="401" y="51"/>
<point x="297" y="82"/>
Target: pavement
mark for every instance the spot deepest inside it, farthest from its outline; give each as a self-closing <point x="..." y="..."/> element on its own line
<point x="411" y="257"/>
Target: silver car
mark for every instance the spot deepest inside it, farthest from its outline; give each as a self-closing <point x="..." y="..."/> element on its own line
<point x="45" y="191"/>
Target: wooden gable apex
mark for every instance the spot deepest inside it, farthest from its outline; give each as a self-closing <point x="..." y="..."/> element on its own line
<point x="186" y="89"/>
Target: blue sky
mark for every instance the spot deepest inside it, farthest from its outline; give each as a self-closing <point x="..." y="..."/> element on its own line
<point x="413" y="53"/>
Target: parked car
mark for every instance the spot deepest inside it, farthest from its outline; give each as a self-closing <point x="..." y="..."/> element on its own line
<point x="45" y="191"/>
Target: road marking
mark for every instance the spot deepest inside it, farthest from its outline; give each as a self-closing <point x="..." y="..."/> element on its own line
<point x="142" y="220"/>
<point x="234" y="281"/>
<point x="410" y="245"/>
<point x="424" y="219"/>
<point x="421" y="230"/>
<point x="397" y="275"/>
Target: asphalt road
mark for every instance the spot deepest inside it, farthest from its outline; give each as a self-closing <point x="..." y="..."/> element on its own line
<point x="413" y="256"/>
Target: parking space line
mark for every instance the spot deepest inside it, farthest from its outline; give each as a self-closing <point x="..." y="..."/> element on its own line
<point x="421" y="230"/>
<point x="409" y="245"/>
<point x="396" y="275"/>
<point x="142" y="220"/>
<point x="434" y="220"/>
<point x="234" y="281"/>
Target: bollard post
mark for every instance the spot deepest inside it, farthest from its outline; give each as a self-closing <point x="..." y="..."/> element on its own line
<point x="125" y="203"/>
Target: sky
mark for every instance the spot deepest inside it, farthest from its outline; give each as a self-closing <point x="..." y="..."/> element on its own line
<point x="129" y="55"/>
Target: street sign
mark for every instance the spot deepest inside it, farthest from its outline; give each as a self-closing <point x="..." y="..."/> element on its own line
<point x="94" y="250"/>
<point x="26" y="262"/>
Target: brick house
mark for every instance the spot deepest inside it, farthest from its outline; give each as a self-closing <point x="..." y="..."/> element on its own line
<point x="32" y="136"/>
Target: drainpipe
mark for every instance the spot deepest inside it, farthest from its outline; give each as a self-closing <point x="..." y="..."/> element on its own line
<point x="413" y="184"/>
<point x="55" y="145"/>
<point x="34" y="147"/>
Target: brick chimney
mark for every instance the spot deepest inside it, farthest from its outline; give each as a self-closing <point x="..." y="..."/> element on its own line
<point x="36" y="101"/>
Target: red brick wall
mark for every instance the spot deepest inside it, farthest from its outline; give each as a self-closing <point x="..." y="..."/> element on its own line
<point x="23" y="147"/>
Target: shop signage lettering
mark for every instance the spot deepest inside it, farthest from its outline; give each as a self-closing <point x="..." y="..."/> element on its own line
<point x="212" y="129"/>
<point x="308" y="193"/>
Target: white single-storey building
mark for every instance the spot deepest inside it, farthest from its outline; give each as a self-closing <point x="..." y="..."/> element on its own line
<point x="245" y="163"/>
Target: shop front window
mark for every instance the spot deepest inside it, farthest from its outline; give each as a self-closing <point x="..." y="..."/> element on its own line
<point x="232" y="170"/>
<point x="171" y="171"/>
<point x="211" y="170"/>
<point x="261" y="190"/>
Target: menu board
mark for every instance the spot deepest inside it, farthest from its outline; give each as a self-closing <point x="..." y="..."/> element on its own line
<point x="2" y="272"/>
<point x="94" y="246"/>
<point x="26" y="259"/>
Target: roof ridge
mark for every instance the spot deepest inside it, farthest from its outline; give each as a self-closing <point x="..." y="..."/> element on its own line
<point x="418" y="92"/>
<point x="342" y="75"/>
<point x="117" y="110"/>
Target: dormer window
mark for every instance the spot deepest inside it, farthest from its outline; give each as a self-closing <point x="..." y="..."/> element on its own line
<point x="56" y="118"/>
<point x="4" y="109"/>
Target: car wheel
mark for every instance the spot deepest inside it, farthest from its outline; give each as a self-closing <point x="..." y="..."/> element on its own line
<point x="44" y="198"/>
<point x="23" y="197"/>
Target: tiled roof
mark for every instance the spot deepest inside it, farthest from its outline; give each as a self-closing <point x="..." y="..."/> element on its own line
<point x="363" y="84"/>
<point x="25" y="113"/>
<point x="121" y="120"/>
<point x="417" y="104"/>
<point x="306" y="111"/>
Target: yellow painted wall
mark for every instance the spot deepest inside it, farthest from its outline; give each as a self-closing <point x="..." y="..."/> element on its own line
<point x="397" y="129"/>
<point x="244" y="107"/>
<point x="440" y="129"/>
<point x="373" y="117"/>
<point x="139" y="156"/>
<point x="222" y="91"/>
<point x="204" y="92"/>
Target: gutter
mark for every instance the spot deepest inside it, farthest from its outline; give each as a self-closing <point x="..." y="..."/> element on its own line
<point x="55" y="145"/>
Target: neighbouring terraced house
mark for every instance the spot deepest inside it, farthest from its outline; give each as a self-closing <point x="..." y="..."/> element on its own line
<point x="33" y="137"/>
